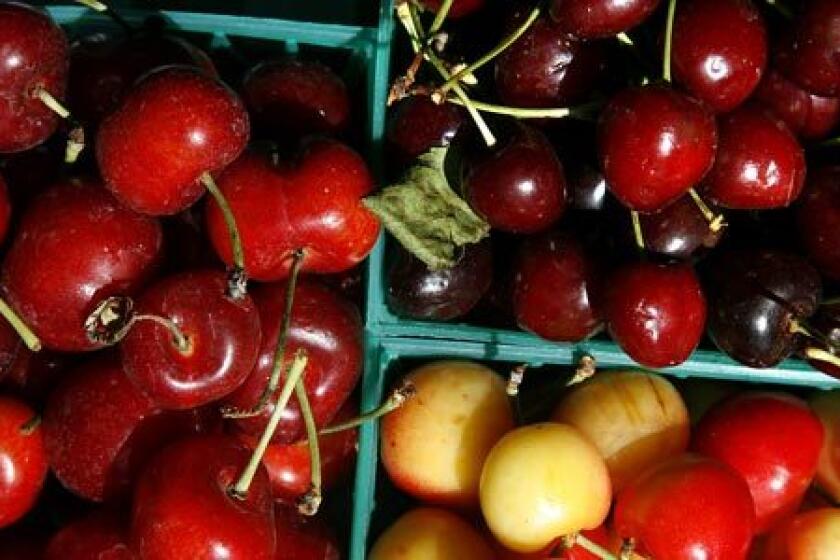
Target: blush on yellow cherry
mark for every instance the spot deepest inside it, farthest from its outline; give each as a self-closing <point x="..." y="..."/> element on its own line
<point x="826" y="406"/>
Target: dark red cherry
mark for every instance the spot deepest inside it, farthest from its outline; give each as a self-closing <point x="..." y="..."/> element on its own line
<point x="547" y="67"/>
<point x="759" y="162"/>
<point x="183" y="509"/>
<point x="810" y="54"/>
<point x="76" y="245"/>
<point x="417" y="124"/>
<point x="222" y="340"/>
<point x="100" y="535"/>
<point x="588" y="188"/>
<point x="600" y="18"/>
<point x="5" y="209"/>
<point x="418" y="292"/>
<point x="656" y="312"/>
<point x="719" y="50"/>
<point x="555" y="288"/>
<point x="304" y="538"/>
<point x="33" y="375"/>
<point x="312" y="204"/>
<point x="518" y="186"/>
<point x="678" y="231"/>
<point x="818" y="219"/>
<point x="11" y="347"/>
<point x="99" y="430"/>
<point x="289" y="99"/>
<point x="23" y="460"/>
<point x="330" y="330"/>
<point x="654" y="144"/>
<point x="807" y="115"/>
<point x="460" y="8"/>
<point x="175" y="124"/>
<point x="34" y="57"/>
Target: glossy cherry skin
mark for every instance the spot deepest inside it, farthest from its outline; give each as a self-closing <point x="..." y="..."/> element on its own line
<point x="459" y="9"/>
<point x="23" y="460"/>
<point x="101" y="535"/>
<point x="810" y="55"/>
<point x="556" y="288"/>
<point x="99" y="430"/>
<point x="588" y="19"/>
<point x="293" y="98"/>
<point x="182" y="508"/>
<point x="719" y="50"/>
<point x="418" y="292"/>
<point x="678" y="231"/>
<point x="174" y="125"/>
<point x="35" y="55"/>
<point x="654" y="144"/>
<point x="330" y="330"/>
<point x="518" y="186"/>
<point x="303" y="538"/>
<point x="759" y="163"/>
<point x="313" y="204"/>
<point x="807" y="115"/>
<point x="656" y="312"/>
<point x="223" y="340"/>
<point x="818" y="219"/>
<point x="417" y="124"/>
<point x="88" y="248"/>
<point x="686" y="508"/>
<point x="773" y="440"/>
<point x="547" y="67"/>
<point x="588" y="188"/>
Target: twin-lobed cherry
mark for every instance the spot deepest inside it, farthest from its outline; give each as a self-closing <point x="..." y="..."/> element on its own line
<point x="808" y="115"/>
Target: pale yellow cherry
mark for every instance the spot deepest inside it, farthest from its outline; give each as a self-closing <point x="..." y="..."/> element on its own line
<point x="541" y="482"/>
<point x="434" y="446"/>
<point x="635" y="419"/>
<point x="431" y="534"/>
<point x="826" y="405"/>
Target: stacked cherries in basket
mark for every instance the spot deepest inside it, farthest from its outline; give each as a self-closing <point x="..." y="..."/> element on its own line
<point x="175" y="335"/>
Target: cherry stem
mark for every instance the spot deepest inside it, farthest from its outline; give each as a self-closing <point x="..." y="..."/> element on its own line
<point x="238" y="280"/>
<point x="280" y="349"/>
<point x="29" y="338"/>
<point x="103" y="8"/>
<point x="493" y="53"/>
<point x="398" y="397"/>
<point x="30" y="425"/>
<point x="75" y="144"/>
<point x="240" y="489"/>
<point x="311" y="501"/>
<point x="669" y="40"/>
<point x="587" y="367"/>
<point x="830" y="301"/>
<point x="593" y="548"/>
<point x="716" y="222"/>
<point x="526" y="113"/>
<point x="51" y="102"/>
<point x="178" y="336"/>
<point x="441" y="14"/>
<point x="781" y="8"/>
<point x="820" y="355"/>
<point x="637" y="230"/>
<point x="515" y="378"/>
<point x="625" y="38"/>
<point x="628" y="547"/>
<point x="830" y="142"/>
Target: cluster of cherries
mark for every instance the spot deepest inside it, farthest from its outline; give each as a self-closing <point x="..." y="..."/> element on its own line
<point x="137" y="371"/>
<point x="603" y="219"/>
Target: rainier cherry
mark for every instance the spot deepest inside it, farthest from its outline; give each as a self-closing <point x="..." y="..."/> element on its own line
<point x="812" y="535"/>
<point x="23" y="459"/>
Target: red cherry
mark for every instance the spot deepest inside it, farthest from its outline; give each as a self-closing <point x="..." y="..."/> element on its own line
<point x="759" y="163"/>
<point x="687" y="508"/>
<point x="677" y="231"/>
<point x="459" y="9"/>
<point x="23" y="460"/>
<point x="303" y="538"/>
<point x="5" y="209"/>
<point x="807" y="115"/>
<point x="773" y="440"/>
<point x="417" y="124"/>
<point x="222" y="334"/>
<point x="295" y="98"/>
<point x="656" y="312"/>
<point x="76" y="245"/>
<point x="32" y="375"/>
<point x="34" y="57"/>
<point x="719" y="50"/>
<point x="818" y="218"/>
<point x="810" y="55"/>
<point x="330" y="330"/>
<point x="183" y="509"/>
<point x="101" y="535"/>
<point x="11" y="346"/>
<point x="555" y="285"/>
<point x="654" y="145"/>
<point x="99" y="430"/>
<point x="152" y="152"/>
<point x="588" y="19"/>
<point x="314" y="205"/>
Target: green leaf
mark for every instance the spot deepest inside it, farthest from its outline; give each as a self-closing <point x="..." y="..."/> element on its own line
<point x="425" y="215"/>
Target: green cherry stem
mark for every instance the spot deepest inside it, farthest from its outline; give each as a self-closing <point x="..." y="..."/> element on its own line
<point x="783" y="9"/>
<point x="581" y="111"/>
<point x="237" y="283"/>
<point x="440" y="16"/>
<point x="29" y="338"/>
<point x="594" y="548"/>
<point x="398" y="397"/>
<point x="637" y="230"/>
<point x="830" y="142"/>
<point x="625" y="38"/>
<point x="669" y="40"/>
<point x="310" y="502"/>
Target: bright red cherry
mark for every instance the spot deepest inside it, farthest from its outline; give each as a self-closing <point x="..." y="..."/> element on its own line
<point x="773" y="440"/>
<point x="175" y="125"/>
<point x="23" y="462"/>
<point x="314" y="205"/>
<point x="687" y="508"/>
<point x="417" y="124"/>
<point x="293" y="98"/>
<point x="99" y="430"/>
<point x="221" y="340"/>
<point x="183" y="509"/>
<point x="460" y="8"/>
<point x="588" y="19"/>
<point x="76" y="245"/>
<point x="330" y="330"/>
<point x="759" y="162"/>
<point x="807" y="115"/>
<point x="101" y="535"/>
<point x="656" y="312"/>
<point x="555" y="288"/>
<point x="719" y="50"/>
<point x="818" y="218"/>
<point x="654" y="144"/>
<point x="34" y="58"/>
<point x="303" y="538"/>
<point x="810" y="55"/>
